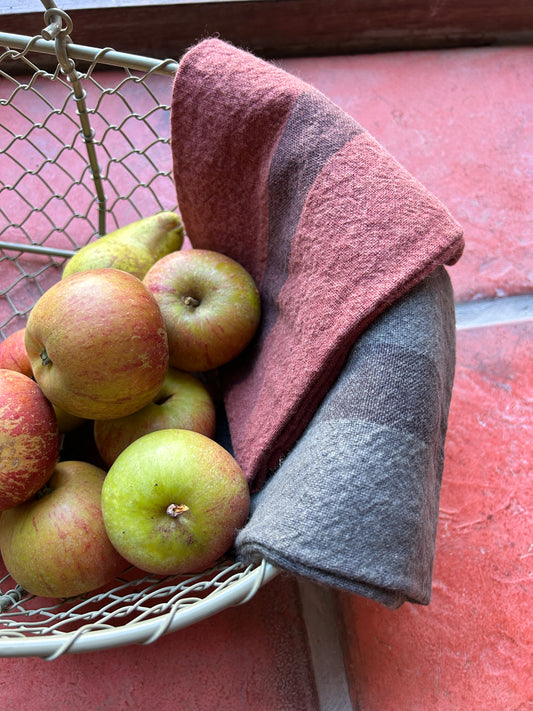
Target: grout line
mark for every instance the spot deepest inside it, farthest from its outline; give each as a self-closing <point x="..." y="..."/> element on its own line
<point x="493" y="312"/>
<point x="320" y="618"/>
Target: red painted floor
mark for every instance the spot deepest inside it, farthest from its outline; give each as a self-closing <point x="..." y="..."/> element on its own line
<point x="472" y="646"/>
<point x="461" y="122"/>
<point x="247" y="658"/>
<point x="458" y="120"/>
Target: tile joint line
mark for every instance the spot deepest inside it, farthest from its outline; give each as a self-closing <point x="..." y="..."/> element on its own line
<point x="494" y="311"/>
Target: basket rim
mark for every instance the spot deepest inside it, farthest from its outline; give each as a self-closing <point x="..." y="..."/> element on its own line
<point x="85" y="639"/>
<point x="89" y="53"/>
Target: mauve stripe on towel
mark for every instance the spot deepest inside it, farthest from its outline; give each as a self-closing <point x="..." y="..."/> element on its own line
<point x="367" y="232"/>
<point x="316" y="129"/>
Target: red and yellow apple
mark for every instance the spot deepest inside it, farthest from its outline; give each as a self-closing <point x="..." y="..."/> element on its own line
<point x="13" y="355"/>
<point x="173" y="502"/>
<point x="67" y="421"/>
<point x="29" y="438"/>
<point x="182" y="403"/>
<point x="56" y="545"/>
<point x="97" y="344"/>
<point x="210" y="305"/>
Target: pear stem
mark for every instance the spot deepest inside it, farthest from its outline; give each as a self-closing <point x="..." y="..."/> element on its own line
<point x="175" y="510"/>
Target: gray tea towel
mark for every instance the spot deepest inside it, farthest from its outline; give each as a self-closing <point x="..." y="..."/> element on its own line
<point x="355" y="503"/>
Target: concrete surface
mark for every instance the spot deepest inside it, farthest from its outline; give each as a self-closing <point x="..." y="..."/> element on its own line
<point x="460" y="121"/>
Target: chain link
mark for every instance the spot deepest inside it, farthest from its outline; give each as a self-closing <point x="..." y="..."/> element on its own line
<point x="52" y="122"/>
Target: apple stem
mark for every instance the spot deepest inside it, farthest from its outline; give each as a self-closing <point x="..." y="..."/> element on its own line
<point x="44" y="357"/>
<point x="190" y="301"/>
<point x="175" y="510"/>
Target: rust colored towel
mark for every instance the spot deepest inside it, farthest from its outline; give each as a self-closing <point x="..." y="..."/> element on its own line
<point x="332" y="228"/>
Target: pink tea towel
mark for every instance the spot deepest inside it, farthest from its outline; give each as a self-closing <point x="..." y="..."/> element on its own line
<point x="332" y="228"/>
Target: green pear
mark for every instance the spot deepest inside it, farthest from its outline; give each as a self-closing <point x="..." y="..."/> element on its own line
<point x="133" y="248"/>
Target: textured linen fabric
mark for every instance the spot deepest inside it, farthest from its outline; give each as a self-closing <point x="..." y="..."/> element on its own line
<point x="331" y="227"/>
<point x="355" y="503"/>
<point x="335" y="233"/>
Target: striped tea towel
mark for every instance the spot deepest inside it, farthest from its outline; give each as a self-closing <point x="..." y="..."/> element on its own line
<point x="332" y="228"/>
<point x="355" y="503"/>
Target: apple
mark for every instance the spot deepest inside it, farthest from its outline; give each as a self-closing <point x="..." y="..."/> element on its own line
<point x="210" y="305"/>
<point x="66" y="421"/>
<point x="182" y="403"/>
<point x="173" y="502"/>
<point x="29" y="438"/>
<point x="97" y="344"/>
<point x="13" y="354"/>
<point x="56" y="545"/>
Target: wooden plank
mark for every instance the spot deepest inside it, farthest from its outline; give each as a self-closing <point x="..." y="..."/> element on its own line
<point x="284" y="28"/>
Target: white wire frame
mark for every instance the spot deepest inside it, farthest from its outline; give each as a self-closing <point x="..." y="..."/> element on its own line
<point x="141" y="610"/>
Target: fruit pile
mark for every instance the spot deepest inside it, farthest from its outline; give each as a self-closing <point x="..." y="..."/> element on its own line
<point x="122" y="346"/>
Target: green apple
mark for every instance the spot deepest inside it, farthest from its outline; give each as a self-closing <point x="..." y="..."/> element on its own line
<point x="182" y="403"/>
<point x="210" y="305"/>
<point x="173" y="502"/>
<point x="56" y="545"/>
<point x="97" y="344"/>
<point x="29" y="438"/>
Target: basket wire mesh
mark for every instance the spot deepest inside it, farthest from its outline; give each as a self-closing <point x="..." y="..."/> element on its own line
<point x="85" y="149"/>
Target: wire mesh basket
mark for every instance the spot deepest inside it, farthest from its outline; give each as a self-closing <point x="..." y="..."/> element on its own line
<point x="84" y="149"/>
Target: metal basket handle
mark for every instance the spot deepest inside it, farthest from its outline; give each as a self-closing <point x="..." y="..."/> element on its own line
<point x="58" y="29"/>
<point x="55" y="40"/>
